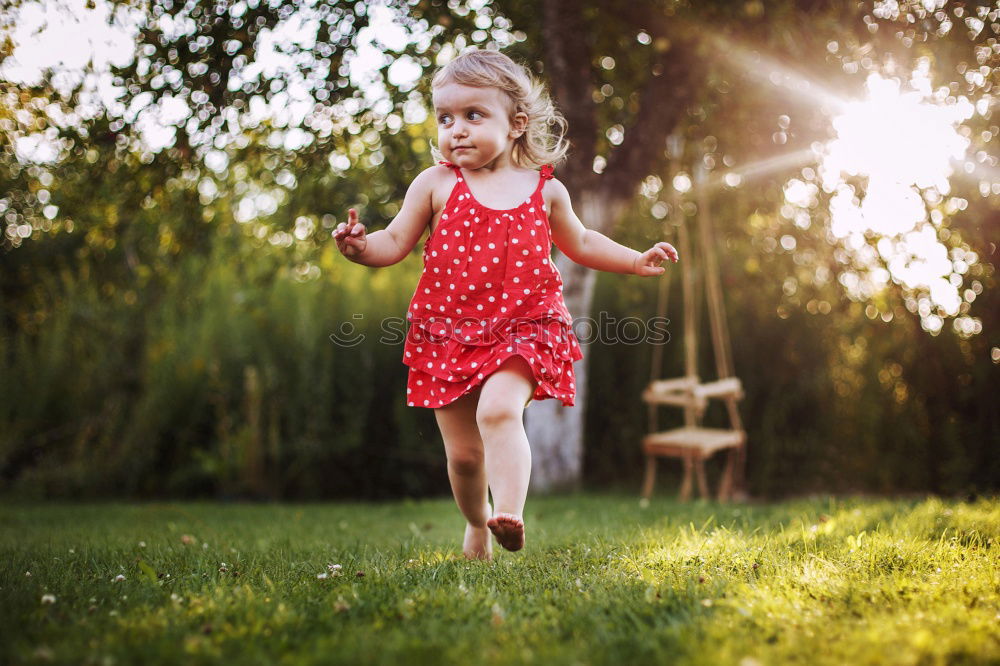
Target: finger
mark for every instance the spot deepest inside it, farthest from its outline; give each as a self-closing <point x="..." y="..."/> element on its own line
<point x="358" y="230"/>
<point x="668" y="248"/>
<point x="352" y="216"/>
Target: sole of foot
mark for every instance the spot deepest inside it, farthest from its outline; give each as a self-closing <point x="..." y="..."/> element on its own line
<point x="508" y="529"/>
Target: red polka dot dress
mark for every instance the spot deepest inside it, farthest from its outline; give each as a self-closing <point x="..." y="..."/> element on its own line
<point x="488" y="291"/>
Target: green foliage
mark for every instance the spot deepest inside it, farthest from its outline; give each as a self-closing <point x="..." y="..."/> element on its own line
<point x="602" y="580"/>
<point x="838" y="401"/>
<point x="156" y="338"/>
<point x="227" y="383"/>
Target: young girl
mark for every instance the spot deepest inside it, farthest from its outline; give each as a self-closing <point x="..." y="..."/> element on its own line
<point x="489" y="330"/>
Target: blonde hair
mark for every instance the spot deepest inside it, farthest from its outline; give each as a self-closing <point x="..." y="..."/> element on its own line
<point x="544" y="139"/>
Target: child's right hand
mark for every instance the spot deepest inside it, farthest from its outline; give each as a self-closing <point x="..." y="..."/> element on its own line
<point x="350" y="236"/>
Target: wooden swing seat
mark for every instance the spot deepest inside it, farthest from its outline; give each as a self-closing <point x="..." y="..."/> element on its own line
<point x="693" y="443"/>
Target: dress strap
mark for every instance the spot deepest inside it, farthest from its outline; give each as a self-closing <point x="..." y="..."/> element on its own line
<point x="546" y="172"/>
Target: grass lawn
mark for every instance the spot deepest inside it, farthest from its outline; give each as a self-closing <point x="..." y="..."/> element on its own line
<point x="602" y="580"/>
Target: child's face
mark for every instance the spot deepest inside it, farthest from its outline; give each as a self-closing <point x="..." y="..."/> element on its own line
<point x="475" y="128"/>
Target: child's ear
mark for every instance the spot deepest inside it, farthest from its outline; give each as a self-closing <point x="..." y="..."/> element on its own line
<point x="518" y="124"/>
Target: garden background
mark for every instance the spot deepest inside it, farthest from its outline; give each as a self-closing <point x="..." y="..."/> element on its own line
<point x="169" y="287"/>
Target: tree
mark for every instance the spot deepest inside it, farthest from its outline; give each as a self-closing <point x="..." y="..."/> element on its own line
<point x="629" y="75"/>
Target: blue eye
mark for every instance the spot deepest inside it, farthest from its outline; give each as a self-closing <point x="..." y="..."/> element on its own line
<point x="444" y="119"/>
<point x="474" y="113"/>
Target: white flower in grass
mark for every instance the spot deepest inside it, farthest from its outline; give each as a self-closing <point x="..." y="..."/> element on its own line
<point x="323" y="576"/>
<point x="48" y="598"/>
<point x="119" y="578"/>
<point x="223" y="568"/>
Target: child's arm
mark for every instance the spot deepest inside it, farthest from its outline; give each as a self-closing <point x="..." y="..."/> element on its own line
<point x="595" y="250"/>
<point x="390" y="245"/>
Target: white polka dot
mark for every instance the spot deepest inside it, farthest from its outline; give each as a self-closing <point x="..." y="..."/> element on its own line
<point x="444" y="247"/>
<point x="528" y="291"/>
<point x="524" y="252"/>
<point x="492" y="246"/>
<point x="484" y="269"/>
<point x="496" y="260"/>
<point x="461" y="248"/>
<point x="426" y="402"/>
<point x="519" y="263"/>
<point x="513" y="240"/>
<point x="476" y="248"/>
<point x="434" y="253"/>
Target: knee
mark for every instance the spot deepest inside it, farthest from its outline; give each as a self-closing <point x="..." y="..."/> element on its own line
<point x="466" y="463"/>
<point x="490" y="416"/>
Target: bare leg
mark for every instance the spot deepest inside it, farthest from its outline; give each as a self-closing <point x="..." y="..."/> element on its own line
<point x="467" y="472"/>
<point x="508" y="457"/>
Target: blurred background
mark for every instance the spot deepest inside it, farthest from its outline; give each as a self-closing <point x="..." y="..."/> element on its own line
<point x="170" y="173"/>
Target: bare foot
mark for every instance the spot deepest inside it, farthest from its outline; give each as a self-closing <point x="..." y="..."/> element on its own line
<point x="477" y="544"/>
<point x="508" y="529"/>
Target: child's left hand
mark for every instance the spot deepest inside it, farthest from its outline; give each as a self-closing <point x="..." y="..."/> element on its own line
<point x="648" y="263"/>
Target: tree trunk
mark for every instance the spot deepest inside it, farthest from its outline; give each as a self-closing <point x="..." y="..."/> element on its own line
<point x="556" y="432"/>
